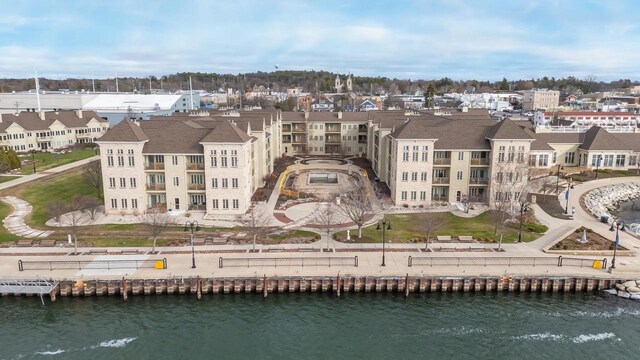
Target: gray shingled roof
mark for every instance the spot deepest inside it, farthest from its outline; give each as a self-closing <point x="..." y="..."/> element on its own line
<point x="226" y="132"/>
<point x="506" y="130"/>
<point x="597" y="138"/>
<point x="125" y="130"/>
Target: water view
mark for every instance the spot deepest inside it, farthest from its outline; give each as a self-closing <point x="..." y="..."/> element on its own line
<point x="320" y="326"/>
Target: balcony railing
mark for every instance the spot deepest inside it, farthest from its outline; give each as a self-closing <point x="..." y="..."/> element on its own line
<point x="156" y="187"/>
<point x="362" y="129"/>
<point x="195" y="186"/>
<point x="154" y="166"/>
<point x="439" y="197"/>
<point x="332" y="141"/>
<point x="332" y="129"/>
<point x="478" y="180"/>
<point x="197" y="207"/>
<point x="195" y="166"/>
<point x="480" y="161"/>
<point x="298" y="129"/>
<point x="442" y="161"/>
<point x="441" y="180"/>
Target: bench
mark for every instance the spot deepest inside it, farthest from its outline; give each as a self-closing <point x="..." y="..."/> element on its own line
<point x="465" y="238"/>
<point x="99" y="251"/>
<point x="306" y="249"/>
<point x="199" y="241"/>
<point x="130" y="252"/>
<point x="277" y="249"/>
<point x="219" y="242"/>
<point x="443" y="238"/>
<point x="24" y="243"/>
<point x="447" y="249"/>
<point x="47" y="243"/>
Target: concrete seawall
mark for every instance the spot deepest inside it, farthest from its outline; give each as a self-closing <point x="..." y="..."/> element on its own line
<point x="337" y="284"/>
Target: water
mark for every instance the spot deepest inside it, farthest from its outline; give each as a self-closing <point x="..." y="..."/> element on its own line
<point x="629" y="211"/>
<point x="321" y="326"/>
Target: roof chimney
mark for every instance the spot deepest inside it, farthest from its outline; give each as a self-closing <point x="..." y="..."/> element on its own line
<point x="465" y="109"/>
<point x="306" y="115"/>
<point x="339" y="114"/>
<point x="41" y="114"/>
<point x="0" y="118"/>
<point x="79" y="113"/>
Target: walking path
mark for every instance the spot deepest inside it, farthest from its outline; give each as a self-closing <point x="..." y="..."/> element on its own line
<point x="14" y="223"/>
<point x="58" y="169"/>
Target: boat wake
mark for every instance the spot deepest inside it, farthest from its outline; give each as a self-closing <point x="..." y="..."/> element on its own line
<point x="583" y="338"/>
<point x="115" y="343"/>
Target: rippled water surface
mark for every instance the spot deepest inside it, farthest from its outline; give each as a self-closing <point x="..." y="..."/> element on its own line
<point x="321" y="326"/>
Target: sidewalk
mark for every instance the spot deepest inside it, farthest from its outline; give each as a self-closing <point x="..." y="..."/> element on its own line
<point x="26" y="178"/>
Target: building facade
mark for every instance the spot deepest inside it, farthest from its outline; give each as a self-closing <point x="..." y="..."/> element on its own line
<point x="50" y="130"/>
<point x="540" y="99"/>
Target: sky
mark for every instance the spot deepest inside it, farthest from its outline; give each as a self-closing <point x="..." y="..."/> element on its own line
<point x="431" y="39"/>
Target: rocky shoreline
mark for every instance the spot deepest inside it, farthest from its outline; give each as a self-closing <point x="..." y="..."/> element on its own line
<point x="627" y="290"/>
<point x="604" y="201"/>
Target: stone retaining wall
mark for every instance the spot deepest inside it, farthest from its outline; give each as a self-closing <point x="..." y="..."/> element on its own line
<point x="605" y="200"/>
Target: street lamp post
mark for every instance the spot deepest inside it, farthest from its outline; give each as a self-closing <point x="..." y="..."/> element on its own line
<point x="33" y="160"/>
<point x="194" y="226"/>
<point x="566" y="196"/>
<point x="617" y="225"/>
<point x="598" y="158"/>
<point x="558" y="177"/>
<point x="383" y="225"/>
<point x="523" y="207"/>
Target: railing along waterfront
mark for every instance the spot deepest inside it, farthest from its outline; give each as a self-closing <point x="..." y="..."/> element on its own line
<point x="92" y="264"/>
<point x="289" y="261"/>
<point x="505" y="261"/>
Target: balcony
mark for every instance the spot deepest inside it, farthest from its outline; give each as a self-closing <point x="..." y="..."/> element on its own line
<point x="286" y="139"/>
<point x="154" y="166"/>
<point x="441" y="180"/>
<point x="362" y="128"/>
<point x="198" y="207"/>
<point x="442" y="161"/>
<point x="478" y="180"/>
<point x="158" y="206"/>
<point x="156" y="187"/>
<point x="362" y="139"/>
<point x="195" y="186"/>
<point x="195" y="166"/>
<point x="299" y="128"/>
<point x="286" y="128"/>
<point x="481" y="162"/>
<point x="332" y="128"/>
<point x="332" y="140"/>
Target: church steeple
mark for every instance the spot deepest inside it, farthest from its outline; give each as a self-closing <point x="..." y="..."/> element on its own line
<point x="349" y="84"/>
<point x="338" y="84"/>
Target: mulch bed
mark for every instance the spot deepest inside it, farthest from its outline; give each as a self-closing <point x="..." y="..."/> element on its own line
<point x="594" y="242"/>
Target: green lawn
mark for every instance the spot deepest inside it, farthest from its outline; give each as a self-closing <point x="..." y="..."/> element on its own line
<point x="6" y="236"/>
<point x="8" y="178"/>
<point x="406" y="227"/>
<point x="58" y="188"/>
<point x="46" y="160"/>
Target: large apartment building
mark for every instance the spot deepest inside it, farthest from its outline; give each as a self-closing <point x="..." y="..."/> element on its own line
<point x="50" y="130"/>
<point x="215" y="162"/>
<point x="211" y="163"/>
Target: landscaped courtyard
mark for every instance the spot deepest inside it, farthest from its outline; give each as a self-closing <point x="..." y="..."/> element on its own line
<point x="48" y="160"/>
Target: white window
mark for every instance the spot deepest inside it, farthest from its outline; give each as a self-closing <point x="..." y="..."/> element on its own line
<point x="214" y="183"/>
<point x="423" y="195"/>
<point x="132" y="182"/>
<point x="120" y="160"/>
<point x="414" y="195"/>
<point x="109" y="160"/>
<point x="403" y="195"/>
<point x="236" y="204"/>
<point x="414" y="176"/>
<point x="123" y="182"/>
<point x="405" y="156"/>
<point x="460" y="156"/>
<point x="215" y="204"/>
<point x="223" y="161"/>
<point x="114" y="203"/>
<point x="112" y="182"/>
<point x="225" y="183"/>
<point x="132" y="161"/>
<point x="234" y="161"/>
<point x="174" y="160"/>
<point x="214" y="161"/>
<point x="134" y="203"/>
<point x="234" y="183"/>
<point x="124" y="203"/>
<point x="225" y="204"/>
<point x="405" y="176"/>
<point x="176" y="181"/>
<point x="423" y="176"/>
<point x="459" y="174"/>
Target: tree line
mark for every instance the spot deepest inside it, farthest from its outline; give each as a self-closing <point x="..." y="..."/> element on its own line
<point x="313" y="81"/>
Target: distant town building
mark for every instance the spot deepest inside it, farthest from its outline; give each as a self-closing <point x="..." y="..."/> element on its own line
<point x="540" y="99"/>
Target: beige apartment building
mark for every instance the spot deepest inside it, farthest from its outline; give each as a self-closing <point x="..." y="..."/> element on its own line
<point x="214" y="162"/>
<point x="50" y="130"/>
<point x="209" y="163"/>
<point x="540" y="99"/>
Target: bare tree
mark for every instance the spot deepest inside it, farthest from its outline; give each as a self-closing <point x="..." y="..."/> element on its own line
<point x="156" y="222"/>
<point x="546" y="186"/>
<point x="430" y="222"/>
<point x="90" y="205"/>
<point x="256" y="223"/>
<point x="356" y="206"/>
<point x="92" y="176"/>
<point x="75" y="217"/>
<point x="56" y="209"/>
<point x="327" y="218"/>
<point x="507" y="187"/>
